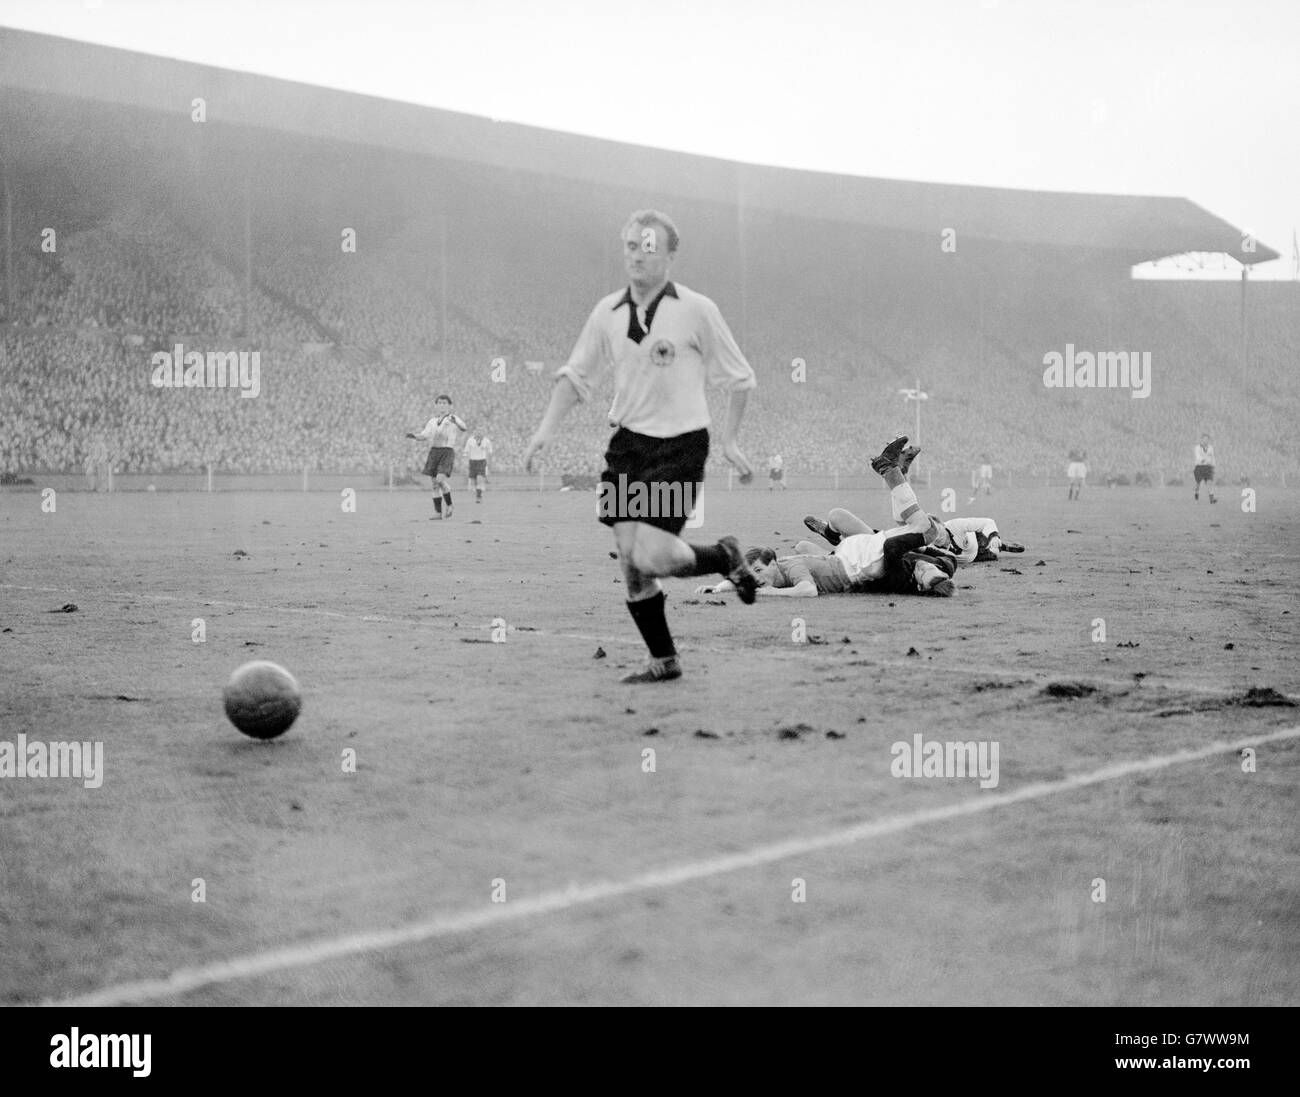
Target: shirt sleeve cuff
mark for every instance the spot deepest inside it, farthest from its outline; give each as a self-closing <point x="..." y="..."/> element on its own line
<point x="579" y="385"/>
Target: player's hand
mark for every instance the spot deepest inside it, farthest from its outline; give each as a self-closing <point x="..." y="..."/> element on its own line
<point x="732" y="452"/>
<point x="535" y="450"/>
<point x="410" y="435"/>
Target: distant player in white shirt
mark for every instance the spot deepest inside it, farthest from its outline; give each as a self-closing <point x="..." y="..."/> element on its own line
<point x="776" y="473"/>
<point x="478" y="448"/>
<point x="1203" y="472"/>
<point x="442" y="431"/>
<point x="97" y="462"/>
<point x="981" y="478"/>
<point x="1077" y="471"/>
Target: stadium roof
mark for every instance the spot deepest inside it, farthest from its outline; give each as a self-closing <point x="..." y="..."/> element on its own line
<point x="1119" y="229"/>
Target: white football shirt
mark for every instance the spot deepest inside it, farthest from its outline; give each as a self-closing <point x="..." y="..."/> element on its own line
<point x="659" y="381"/>
<point x="478" y="451"/>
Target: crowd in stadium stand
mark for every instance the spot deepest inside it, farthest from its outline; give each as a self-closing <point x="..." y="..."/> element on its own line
<point x="352" y="354"/>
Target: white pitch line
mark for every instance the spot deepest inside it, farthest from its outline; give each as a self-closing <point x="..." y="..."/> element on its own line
<point x="1027" y="676"/>
<point x="310" y="953"/>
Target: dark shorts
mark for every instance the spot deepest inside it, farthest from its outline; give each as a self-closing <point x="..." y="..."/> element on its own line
<point x="983" y="555"/>
<point x="776" y="474"/>
<point x="477" y="469"/>
<point x="1202" y="473"/>
<point x="652" y="480"/>
<point x="440" y="461"/>
<point x="898" y="570"/>
<point x="896" y="575"/>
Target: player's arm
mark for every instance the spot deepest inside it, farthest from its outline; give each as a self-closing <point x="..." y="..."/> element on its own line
<point x="574" y="382"/>
<point x="796" y="581"/>
<point x="460" y="423"/>
<point x="737" y="400"/>
<point x="424" y="434"/>
<point x="563" y="398"/>
<point x="726" y="368"/>
<point x="805" y="588"/>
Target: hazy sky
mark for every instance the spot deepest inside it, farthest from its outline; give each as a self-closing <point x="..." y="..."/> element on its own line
<point x="1198" y="98"/>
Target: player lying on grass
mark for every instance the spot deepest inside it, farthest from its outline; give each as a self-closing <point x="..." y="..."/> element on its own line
<point x="970" y="540"/>
<point x="806" y="575"/>
<point x="895" y="561"/>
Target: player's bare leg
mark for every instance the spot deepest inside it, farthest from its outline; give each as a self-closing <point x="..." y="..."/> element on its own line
<point x="442" y="496"/>
<point x="437" y="499"/>
<point x="846" y="523"/>
<point x="907" y="510"/>
<point x="840" y="523"/>
<point x="646" y="553"/>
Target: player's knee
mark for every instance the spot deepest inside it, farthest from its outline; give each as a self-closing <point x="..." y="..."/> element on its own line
<point x="838" y="516"/>
<point x="636" y="581"/>
<point x="641" y="560"/>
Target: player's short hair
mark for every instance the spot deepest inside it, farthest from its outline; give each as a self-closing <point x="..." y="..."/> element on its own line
<point x="647" y="217"/>
<point x="441" y="397"/>
<point x="762" y="555"/>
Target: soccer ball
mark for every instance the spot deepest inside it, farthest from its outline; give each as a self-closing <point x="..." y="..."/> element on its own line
<point x="262" y="699"/>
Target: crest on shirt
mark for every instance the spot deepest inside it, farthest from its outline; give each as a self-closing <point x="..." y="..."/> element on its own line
<point x="663" y="353"/>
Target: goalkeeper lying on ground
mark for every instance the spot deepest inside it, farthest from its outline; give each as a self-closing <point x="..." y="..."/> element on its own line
<point x="970" y="540"/>
<point x="902" y="560"/>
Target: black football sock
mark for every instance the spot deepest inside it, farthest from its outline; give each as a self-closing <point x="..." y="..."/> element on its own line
<point x="437" y="504"/>
<point x="653" y="625"/>
<point x="710" y="560"/>
<point x="446" y="498"/>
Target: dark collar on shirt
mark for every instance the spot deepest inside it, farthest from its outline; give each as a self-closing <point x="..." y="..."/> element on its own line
<point x="669" y="290"/>
<point x="634" y="330"/>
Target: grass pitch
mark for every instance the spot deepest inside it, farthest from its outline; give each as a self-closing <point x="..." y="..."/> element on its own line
<point x="516" y="770"/>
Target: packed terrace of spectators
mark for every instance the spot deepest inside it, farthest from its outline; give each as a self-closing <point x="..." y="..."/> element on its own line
<point x="353" y="348"/>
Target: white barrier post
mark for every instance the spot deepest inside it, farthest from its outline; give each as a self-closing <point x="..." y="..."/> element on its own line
<point x="110" y="479"/>
<point x="304" y="478"/>
<point x="390" y="477"/>
<point x="729" y="472"/>
<point x="539" y="479"/>
<point x="837" y="481"/>
<point x="209" y="479"/>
